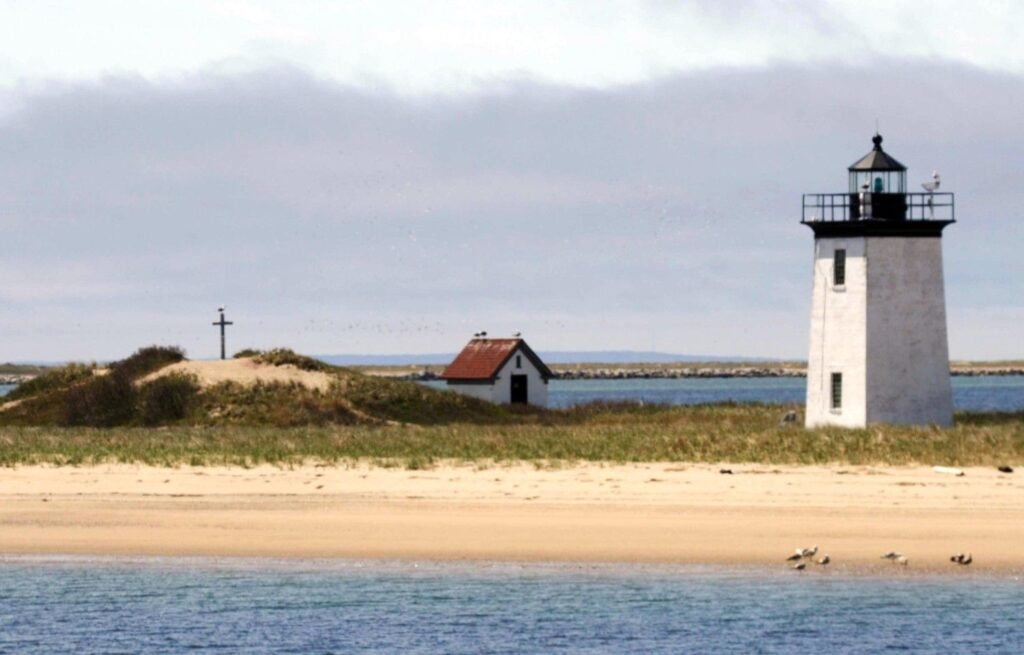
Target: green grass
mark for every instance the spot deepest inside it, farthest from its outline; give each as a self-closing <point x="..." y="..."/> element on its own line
<point x="73" y="396"/>
<point x="52" y="380"/>
<point x="714" y="433"/>
<point x="7" y="368"/>
<point x="395" y="422"/>
<point x="283" y="356"/>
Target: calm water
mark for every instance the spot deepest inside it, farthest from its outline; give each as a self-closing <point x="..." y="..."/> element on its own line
<point x="998" y="392"/>
<point x="261" y="606"/>
<point x="1002" y="393"/>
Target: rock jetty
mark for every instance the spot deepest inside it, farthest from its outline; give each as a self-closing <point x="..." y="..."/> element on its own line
<point x="676" y="373"/>
<point x="570" y="372"/>
<point x="14" y="379"/>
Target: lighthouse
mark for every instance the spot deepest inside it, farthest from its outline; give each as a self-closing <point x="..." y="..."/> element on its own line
<point x="878" y="349"/>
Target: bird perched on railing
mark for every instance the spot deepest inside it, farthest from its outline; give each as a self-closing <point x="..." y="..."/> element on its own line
<point x="933" y="186"/>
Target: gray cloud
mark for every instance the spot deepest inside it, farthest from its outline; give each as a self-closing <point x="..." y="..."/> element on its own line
<point x="336" y="219"/>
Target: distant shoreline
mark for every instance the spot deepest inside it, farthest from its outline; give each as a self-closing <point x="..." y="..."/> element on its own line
<point x="423" y="373"/>
<point x="638" y="371"/>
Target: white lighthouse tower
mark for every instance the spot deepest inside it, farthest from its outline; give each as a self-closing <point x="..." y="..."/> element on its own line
<point x="878" y="346"/>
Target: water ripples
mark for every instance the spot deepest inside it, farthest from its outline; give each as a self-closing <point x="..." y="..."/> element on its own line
<point x="178" y="606"/>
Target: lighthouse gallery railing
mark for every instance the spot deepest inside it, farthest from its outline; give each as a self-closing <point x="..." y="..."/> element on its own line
<point x="838" y="207"/>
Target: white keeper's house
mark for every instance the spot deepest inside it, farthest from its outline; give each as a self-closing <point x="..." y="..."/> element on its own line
<point x="505" y="371"/>
<point x="878" y="345"/>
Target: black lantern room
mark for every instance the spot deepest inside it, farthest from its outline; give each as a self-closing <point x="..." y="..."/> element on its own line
<point x="877" y="202"/>
<point x="878" y="172"/>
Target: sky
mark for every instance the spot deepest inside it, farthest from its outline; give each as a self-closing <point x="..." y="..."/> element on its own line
<point x="390" y="177"/>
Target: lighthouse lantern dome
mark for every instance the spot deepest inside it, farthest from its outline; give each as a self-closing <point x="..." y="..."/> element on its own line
<point x="878" y="172"/>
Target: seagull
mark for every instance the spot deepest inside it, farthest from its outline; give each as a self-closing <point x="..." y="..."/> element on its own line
<point x="483" y="333"/>
<point x="517" y="334"/>
<point x="893" y="555"/>
<point x="933" y="186"/>
<point x="902" y="560"/>
<point x="794" y="557"/>
<point x="967" y="560"/>
<point x="800" y="567"/>
<point x="809" y="552"/>
<point x="825" y="559"/>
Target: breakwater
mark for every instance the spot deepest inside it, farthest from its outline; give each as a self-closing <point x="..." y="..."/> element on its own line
<point x="564" y="372"/>
<point x="686" y="372"/>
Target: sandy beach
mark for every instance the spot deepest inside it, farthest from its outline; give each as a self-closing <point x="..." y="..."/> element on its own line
<point x="586" y="512"/>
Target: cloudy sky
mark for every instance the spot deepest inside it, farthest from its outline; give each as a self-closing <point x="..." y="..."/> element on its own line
<point x="389" y="177"/>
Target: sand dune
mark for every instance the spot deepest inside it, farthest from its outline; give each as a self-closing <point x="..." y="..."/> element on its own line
<point x="642" y="512"/>
<point x="244" y="371"/>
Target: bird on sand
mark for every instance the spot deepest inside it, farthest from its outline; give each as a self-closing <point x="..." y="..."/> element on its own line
<point x="800" y="566"/>
<point x="962" y="558"/>
<point x="902" y="560"/>
<point x="795" y="556"/>
<point x="825" y="559"/>
<point x="893" y="555"/>
<point x="808" y="552"/>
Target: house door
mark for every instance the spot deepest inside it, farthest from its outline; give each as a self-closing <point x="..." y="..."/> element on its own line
<point x="519" y="395"/>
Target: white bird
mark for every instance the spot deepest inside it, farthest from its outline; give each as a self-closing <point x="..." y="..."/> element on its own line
<point x="967" y="559"/>
<point x="825" y="559"/>
<point x="809" y="552"/>
<point x="902" y="560"/>
<point x="933" y="186"/>
<point x="801" y="566"/>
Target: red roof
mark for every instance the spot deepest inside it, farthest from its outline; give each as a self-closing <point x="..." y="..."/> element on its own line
<point x="481" y="359"/>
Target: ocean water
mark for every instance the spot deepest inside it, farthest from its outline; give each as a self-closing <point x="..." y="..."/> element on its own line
<point x="267" y="606"/>
<point x="988" y="393"/>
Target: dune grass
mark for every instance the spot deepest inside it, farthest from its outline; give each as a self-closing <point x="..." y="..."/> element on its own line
<point x="76" y="417"/>
<point x="52" y="380"/>
<point x="74" y="396"/>
<point x="712" y="433"/>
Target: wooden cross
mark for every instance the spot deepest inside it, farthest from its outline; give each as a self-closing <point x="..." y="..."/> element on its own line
<point x="222" y="323"/>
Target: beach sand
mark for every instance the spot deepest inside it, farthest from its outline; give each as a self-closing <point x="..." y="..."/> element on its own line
<point x="584" y="512"/>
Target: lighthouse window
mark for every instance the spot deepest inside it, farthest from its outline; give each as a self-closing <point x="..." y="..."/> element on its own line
<point x="837" y="391"/>
<point x="519" y="361"/>
<point x="839" y="268"/>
